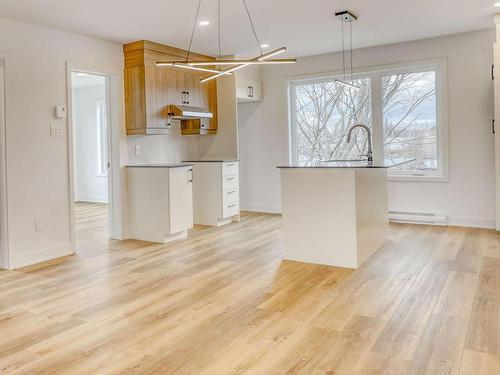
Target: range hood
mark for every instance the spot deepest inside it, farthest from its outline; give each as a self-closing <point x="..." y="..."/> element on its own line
<point x="188" y="112"/>
<point x="194" y="120"/>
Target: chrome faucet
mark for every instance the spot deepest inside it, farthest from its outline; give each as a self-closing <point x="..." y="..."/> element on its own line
<point x="370" y="151"/>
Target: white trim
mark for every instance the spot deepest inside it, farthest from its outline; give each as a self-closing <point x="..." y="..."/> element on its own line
<point x="472" y="222"/>
<point x="265" y="208"/>
<point x="94" y="199"/>
<point x="41" y="255"/>
<point x="114" y="173"/>
<point x="5" y="260"/>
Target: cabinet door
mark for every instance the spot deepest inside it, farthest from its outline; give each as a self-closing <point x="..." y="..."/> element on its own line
<point x="193" y="88"/>
<point x="178" y="89"/>
<point x="158" y="83"/>
<point x="181" y="199"/>
<point x="135" y="100"/>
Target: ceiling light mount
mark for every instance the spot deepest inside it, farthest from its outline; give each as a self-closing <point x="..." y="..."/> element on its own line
<point x="347" y="16"/>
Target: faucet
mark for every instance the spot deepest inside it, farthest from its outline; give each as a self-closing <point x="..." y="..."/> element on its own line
<point x="370" y="151"/>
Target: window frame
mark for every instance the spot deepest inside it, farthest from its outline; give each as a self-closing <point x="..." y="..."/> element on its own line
<point x="375" y="74"/>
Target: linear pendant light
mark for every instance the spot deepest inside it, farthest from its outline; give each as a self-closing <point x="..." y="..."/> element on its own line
<point x="263" y="59"/>
<point x="347" y="17"/>
<point x="238" y="62"/>
<point x="186" y="66"/>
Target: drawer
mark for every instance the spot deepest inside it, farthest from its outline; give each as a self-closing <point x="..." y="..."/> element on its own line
<point x="229" y="182"/>
<point x="230" y="169"/>
<point x="230" y="196"/>
<point x="230" y="209"/>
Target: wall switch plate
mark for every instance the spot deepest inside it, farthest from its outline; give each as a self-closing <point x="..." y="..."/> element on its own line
<point x="60" y="111"/>
<point x="56" y="131"/>
<point x="137" y="150"/>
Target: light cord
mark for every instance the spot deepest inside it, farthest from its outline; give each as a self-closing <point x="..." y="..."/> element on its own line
<point x="194" y="29"/>
<point x="253" y="28"/>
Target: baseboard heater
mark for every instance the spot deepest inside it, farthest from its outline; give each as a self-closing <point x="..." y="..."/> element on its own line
<point x="418" y="218"/>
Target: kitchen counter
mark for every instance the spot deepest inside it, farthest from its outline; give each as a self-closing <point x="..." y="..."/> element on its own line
<point x="211" y="161"/>
<point x="385" y="163"/>
<point x="173" y="165"/>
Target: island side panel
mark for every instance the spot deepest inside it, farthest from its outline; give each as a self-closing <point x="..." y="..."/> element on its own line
<point x="319" y="216"/>
<point x="372" y="212"/>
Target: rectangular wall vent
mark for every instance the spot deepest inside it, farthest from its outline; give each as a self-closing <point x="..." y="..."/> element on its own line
<point x="418" y="218"/>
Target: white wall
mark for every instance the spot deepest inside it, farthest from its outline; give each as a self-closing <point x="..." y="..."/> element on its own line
<point x="469" y="196"/>
<point x="90" y="185"/>
<point x="38" y="185"/>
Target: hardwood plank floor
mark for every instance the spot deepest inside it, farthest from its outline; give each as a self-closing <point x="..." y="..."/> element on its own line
<point x="223" y="302"/>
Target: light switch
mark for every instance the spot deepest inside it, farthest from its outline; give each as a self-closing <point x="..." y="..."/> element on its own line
<point x="55" y="131"/>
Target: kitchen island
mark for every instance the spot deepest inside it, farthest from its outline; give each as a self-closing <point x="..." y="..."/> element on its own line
<point x="334" y="213"/>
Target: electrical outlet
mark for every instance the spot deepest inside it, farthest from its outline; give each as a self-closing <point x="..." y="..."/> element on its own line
<point x="137" y="150"/>
<point x="38" y="225"/>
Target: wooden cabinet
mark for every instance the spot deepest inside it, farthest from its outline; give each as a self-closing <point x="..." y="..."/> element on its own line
<point x="160" y="202"/>
<point x="150" y="89"/>
<point x="248" y="91"/>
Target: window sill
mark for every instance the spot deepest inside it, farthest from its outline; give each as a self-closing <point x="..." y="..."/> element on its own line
<point x="410" y="178"/>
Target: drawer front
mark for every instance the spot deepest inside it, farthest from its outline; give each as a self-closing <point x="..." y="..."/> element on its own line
<point x="230" y="196"/>
<point x="229" y="182"/>
<point x="230" y="169"/>
<point x="230" y="209"/>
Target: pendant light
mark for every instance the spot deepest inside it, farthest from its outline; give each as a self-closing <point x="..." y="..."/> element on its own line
<point x="234" y="65"/>
<point x="347" y="17"/>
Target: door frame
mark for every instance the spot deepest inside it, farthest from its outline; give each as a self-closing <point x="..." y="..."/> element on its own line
<point x="113" y="151"/>
<point x="4" y="228"/>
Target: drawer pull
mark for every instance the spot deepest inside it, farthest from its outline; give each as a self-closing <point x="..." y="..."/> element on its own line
<point x="229" y="178"/>
<point x="232" y="205"/>
<point x="231" y="192"/>
<point x="230" y="164"/>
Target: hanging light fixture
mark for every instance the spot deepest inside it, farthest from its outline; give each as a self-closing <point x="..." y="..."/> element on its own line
<point x="262" y="59"/>
<point x="347" y="17"/>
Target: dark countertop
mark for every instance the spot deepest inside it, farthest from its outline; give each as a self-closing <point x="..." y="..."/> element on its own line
<point x="174" y="165"/>
<point x="211" y="161"/>
<point x="386" y="163"/>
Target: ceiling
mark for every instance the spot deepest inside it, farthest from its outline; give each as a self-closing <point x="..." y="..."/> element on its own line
<point x="306" y="27"/>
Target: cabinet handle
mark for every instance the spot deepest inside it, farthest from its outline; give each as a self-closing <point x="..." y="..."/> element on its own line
<point x="251" y="90"/>
<point x="231" y="192"/>
<point x="493" y="72"/>
<point x="191" y="175"/>
<point x="230" y="164"/>
<point x="187" y="97"/>
<point x="229" y="178"/>
<point x="232" y="205"/>
<point x="493" y="126"/>
<point x="184" y="97"/>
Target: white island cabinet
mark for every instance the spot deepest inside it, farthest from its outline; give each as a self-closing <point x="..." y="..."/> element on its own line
<point x="334" y="213"/>
<point x="160" y="201"/>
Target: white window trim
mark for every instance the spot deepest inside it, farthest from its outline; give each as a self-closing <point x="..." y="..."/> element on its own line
<point x="102" y="168"/>
<point x="375" y="73"/>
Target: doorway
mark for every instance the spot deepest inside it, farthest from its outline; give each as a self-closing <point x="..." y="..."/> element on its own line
<point x="90" y="115"/>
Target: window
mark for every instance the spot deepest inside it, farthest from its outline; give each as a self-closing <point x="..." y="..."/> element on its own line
<point x="102" y="159"/>
<point x="403" y="106"/>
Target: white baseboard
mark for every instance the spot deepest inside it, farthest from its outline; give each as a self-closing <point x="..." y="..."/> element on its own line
<point x="41" y="255"/>
<point x="267" y="208"/>
<point x="472" y="222"/>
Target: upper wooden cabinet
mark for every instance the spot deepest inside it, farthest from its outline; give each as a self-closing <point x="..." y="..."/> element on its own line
<point x="150" y="89"/>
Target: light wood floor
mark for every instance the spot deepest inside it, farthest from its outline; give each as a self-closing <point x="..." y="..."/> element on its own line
<point x="223" y="302"/>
